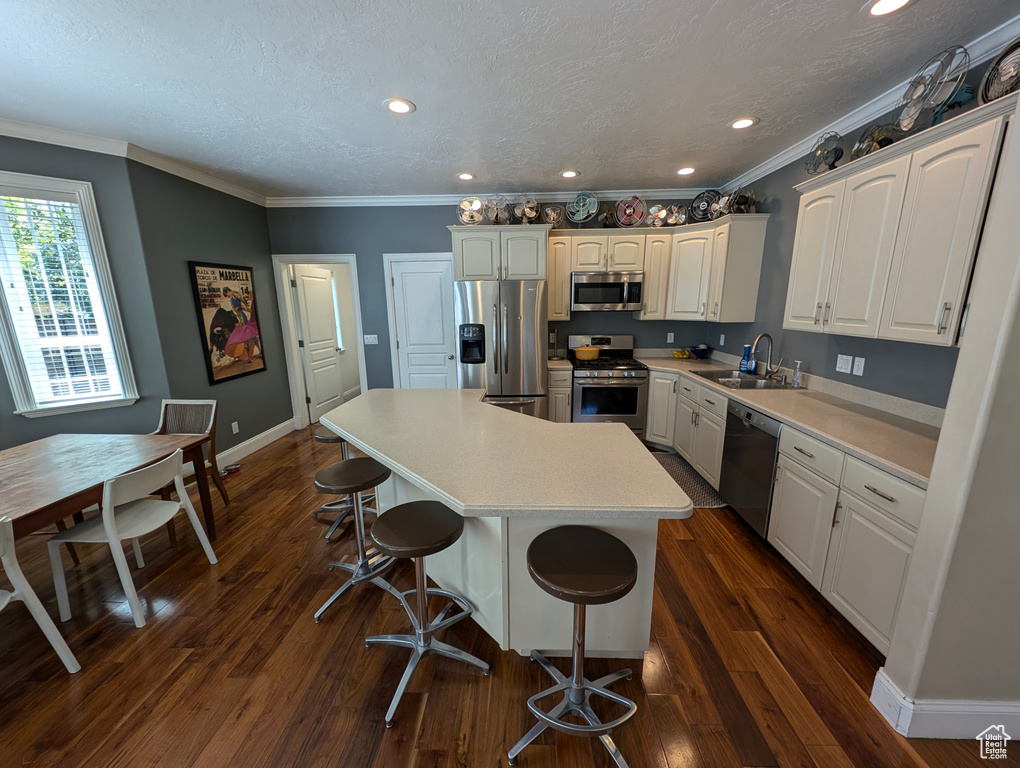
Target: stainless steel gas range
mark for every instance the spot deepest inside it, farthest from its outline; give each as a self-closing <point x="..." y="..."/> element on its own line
<point x="612" y="388"/>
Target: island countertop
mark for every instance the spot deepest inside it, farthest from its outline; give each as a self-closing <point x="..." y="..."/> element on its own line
<point x="486" y="461"/>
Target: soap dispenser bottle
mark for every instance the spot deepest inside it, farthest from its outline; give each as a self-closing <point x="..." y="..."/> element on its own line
<point x="797" y="376"/>
<point x="746" y="358"/>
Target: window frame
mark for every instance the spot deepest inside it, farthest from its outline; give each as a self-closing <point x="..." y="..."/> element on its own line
<point x="25" y="403"/>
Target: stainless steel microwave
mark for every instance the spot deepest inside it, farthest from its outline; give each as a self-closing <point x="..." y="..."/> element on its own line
<point x="604" y="291"/>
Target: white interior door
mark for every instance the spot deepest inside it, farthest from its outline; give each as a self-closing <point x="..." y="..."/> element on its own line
<point x="317" y="314"/>
<point x="423" y="321"/>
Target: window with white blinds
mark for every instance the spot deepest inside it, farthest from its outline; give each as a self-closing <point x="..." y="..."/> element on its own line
<point x="60" y="334"/>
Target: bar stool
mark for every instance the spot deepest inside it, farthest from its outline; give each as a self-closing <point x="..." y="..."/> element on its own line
<point x="352" y="477"/>
<point x="345" y="506"/>
<point x="583" y="566"/>
<point x="415" y="530"/>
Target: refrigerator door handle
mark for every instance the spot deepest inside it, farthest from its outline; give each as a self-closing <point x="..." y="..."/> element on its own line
<point x="506" y="341"/>
<point x="495" y="340"/>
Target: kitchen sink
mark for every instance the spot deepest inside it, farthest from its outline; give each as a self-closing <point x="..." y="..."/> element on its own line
<point x="742" y="380"/>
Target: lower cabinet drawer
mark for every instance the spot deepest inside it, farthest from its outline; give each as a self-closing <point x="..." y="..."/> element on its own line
<point x="869" y="554"/>
<point x="880" y="489"/>
<point x="688" y="389"/>
<point x="812" y="453"/>
<point x="560" y="378"/>
<point x="710" y="400"/>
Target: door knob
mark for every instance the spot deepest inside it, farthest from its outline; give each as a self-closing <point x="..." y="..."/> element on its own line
<point x="449" y="357"/>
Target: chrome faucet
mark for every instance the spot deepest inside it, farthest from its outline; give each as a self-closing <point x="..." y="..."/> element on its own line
<point x="770" y="372"/>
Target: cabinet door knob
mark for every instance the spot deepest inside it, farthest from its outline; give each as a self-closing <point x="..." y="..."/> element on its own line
<point x="449" y="357"/>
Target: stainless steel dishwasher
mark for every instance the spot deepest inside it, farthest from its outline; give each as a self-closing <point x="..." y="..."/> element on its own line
<point x="749" y="463"/>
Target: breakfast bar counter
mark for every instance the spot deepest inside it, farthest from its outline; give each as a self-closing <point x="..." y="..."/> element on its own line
<point x="511" y="477"/>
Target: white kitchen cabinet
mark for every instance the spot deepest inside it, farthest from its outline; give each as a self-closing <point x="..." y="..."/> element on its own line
<point x="813" y="246"/>
<point x="559" y="278"/>
<point x="560" y="405"/>
<point x="626" y="253"/>
<point x="500" y="252"/>
<point x="738" y="244"/>
<point x="698" y="431"/>
<point x="661" y="407"/>
<point x="559" y="393"/>
<point x="524" y="253"/>
<point x="683" y="427"/>
<point x="589" y="253"/>
<point x="709" y="434"/>
<point x="866" y="567"/>
<point x="657" y="270"/>
<point x="803" y="505"/>
<point x="860" y="264"/>
<point x="690" y="268"/>
<point x="476" y="254"/>
<point x="938" y="235"/>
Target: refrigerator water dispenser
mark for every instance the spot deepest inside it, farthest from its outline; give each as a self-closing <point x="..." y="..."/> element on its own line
<point x="472" y="344"/>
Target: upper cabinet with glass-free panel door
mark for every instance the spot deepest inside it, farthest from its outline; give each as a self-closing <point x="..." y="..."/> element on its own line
<point x="656" y="284"/>
<point x="559" y="278"/>
<point x="864" y="248"/>
<point x="939" y="229"/>
<point x="524" y="252"/>
<point x="626" y="253"/>
<point x="589" y="253"/>
<point x="738" y="245"/>
<point x="689" y="271"/>
<point x="500" y="252"/>
<point x="813" y="247"/>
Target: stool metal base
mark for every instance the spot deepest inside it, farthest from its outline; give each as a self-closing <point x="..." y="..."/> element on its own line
<point x="345" y="508"/>
<point x="577" y="690"/>
<point x="422" y="642"/>
<point x="370" y="566"/>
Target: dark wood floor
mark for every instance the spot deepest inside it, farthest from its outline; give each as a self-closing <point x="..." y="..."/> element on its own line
<point x="747" y="666"/>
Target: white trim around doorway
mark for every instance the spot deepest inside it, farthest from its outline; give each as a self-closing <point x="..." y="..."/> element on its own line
<point x="288" y="319"/>
<point x="388" y="260"/>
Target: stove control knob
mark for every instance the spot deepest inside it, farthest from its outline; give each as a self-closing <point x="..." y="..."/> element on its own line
<point x="610" y="373"/>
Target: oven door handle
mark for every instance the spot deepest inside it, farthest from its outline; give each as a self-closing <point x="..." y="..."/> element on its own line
<point x="610" y="383"/>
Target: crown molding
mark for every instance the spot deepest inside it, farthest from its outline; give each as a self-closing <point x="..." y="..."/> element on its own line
<point x="72" y="139"/>
<point x="177" y="168"/>
<point x="368" y="201"/>
<point x="981" y="50"/>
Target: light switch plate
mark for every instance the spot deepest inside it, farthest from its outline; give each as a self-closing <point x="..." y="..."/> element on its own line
<point x="722" y="339"/>
<point x="371" y="338"/>
<point x="669" y="338"/>
<point x="234" y="428"/>
<point x="858" y="366"/>
<point x="843" y="363"/>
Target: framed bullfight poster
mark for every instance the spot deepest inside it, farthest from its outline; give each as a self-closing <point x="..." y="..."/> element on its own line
<point x="227" y="319"/>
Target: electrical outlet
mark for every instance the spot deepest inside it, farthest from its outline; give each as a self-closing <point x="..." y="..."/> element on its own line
<point x="371" y="338"/>
<point x="843" y="363"/>
<point x="234" y="428"/>
<point x="858" y="366"/>
<point x="669" y="338"/>
<point x="552" y="337"/>
<point x="722" y="339"/>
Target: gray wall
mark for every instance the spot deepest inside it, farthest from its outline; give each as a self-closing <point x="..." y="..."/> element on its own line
<point x="181" y="221"/>
<point x="112" y="188"/>
<point x="368" y="233"/>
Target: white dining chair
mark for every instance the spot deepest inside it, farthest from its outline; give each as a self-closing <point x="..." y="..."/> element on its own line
<point x="129" y="512"/>
<point x="23" y="592"/>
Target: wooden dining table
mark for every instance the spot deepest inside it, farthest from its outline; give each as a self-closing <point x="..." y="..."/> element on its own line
<point x="47" y="480"/>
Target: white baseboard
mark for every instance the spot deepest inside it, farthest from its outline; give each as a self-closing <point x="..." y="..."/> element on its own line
<point x="252" y="444"/>
<point x="940" y="718"/>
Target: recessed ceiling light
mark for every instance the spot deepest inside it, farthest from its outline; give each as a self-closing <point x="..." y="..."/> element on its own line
<point x="686" y="171"/>
<point x="465" y="176"/>
<point x="744" y="122"/>
<point x="400" y="106"/>
<point x="570" y="174"/>
<point x="884" y="7"/>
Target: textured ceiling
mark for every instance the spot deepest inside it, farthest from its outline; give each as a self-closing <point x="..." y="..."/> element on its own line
<point x="285" y="98"/>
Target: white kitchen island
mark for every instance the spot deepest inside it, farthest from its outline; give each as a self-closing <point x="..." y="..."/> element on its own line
<point x="511" y="477"/>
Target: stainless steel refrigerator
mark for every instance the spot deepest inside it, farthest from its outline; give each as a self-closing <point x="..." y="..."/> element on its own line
<point x="502" y="327"/>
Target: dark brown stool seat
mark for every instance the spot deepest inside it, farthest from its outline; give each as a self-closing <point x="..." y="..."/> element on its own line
<point x="351" y="477"/>
<point x="584" y="566"/>
<point x="415" y="530"/>
<point x="326" y="435"/>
